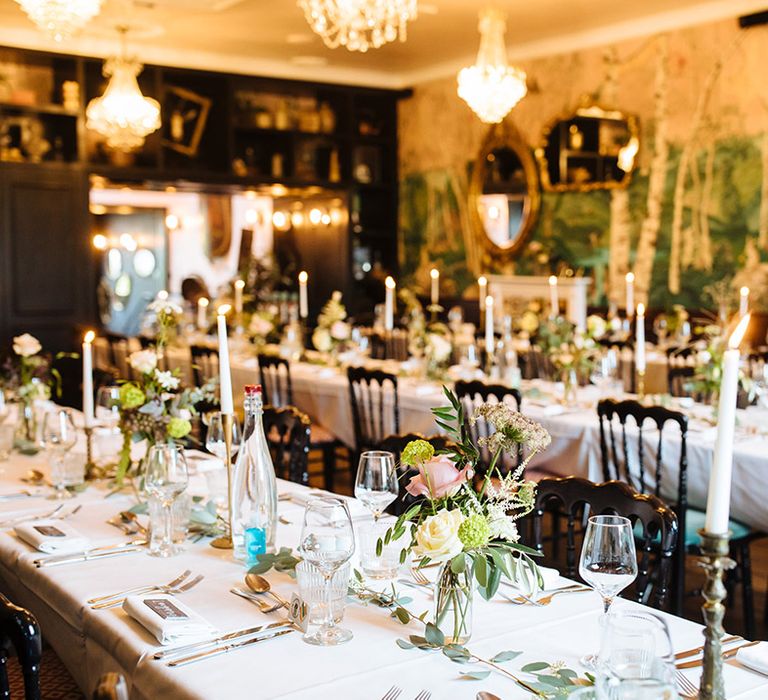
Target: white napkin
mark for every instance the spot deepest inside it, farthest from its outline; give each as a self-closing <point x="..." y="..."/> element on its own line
<point x="168" y="619"/>
<point x="52" y="536"/>
<point x="755" y="658"/>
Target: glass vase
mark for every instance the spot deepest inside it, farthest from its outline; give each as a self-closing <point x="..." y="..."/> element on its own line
<point x="570" y="387"/>
<point x="26" y="426"/>
<point x="453" y="604"/>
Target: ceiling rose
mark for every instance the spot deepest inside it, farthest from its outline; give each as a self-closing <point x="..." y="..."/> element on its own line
<point x="359" y="24"/>
<point x="60" y="19"/>
<point x="491" y="87"/>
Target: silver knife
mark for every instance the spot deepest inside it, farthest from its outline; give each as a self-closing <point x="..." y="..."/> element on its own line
<point x="187" y="648"/>
<point x="14" y="496"/>
<point x="225" y="649"/>
<point x="96" y="553"/>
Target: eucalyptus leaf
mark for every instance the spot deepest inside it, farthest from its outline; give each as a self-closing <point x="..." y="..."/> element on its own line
<point x="433" y="635"/>
<point x="459" y="563"/>
<point x="403" y="615"/>
<point x="535" y="666"/>
<point x="403" y="644"/>
<point x="475" y="675"/>
<point x="505" y="656"/>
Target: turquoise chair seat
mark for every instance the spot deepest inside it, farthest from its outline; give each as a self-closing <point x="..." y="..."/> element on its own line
<point x="694" y="521"/>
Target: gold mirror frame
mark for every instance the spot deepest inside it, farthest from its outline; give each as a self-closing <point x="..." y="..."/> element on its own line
<point x="504" y="135"/>
<point x="590" y="109"/>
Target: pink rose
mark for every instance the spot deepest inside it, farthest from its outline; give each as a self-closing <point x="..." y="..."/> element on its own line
<point x="438" y="478"/>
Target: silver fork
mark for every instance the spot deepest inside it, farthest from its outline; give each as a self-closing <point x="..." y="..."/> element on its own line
<point x="140" y="589"/>
<point x="424" y="695"/>
<point x="256" y="600"/>
<point x="392" y="694"/>
<point x="686" y="687"/>
<point x="156" y="589"/>
<point x="420" y="578"/>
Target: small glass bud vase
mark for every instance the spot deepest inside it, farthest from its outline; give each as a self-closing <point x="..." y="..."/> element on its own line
<point x="570" y="387"/>
<point x="453" y="603"/>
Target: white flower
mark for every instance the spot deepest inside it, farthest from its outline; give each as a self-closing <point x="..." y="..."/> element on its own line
<point x="529" y="322"/>
<point x="438" y="536"/>
<point x="502" y="526"/>
<point x="143" y="361"/>
<point x="166" y="380"/>
<point x="26" y="345"/>
<point x="260" y="326"/>
<point x="578" y="340"/>
<point x="438" y="347"/>
<point x="185" y="414"/>
<point x="321" y="339"/>
<point x="340" y="330"/>
<point x="704" y="357"/>
<point x="163" y="306"/>
<point x="596" y="326"/>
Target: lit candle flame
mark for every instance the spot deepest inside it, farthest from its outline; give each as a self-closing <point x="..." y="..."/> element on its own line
<point x="89" y="337"/>
<point x="738" y="334"/>
<point x="489" y="300"/>
<point x="303" y="277"/>
<point x="389" y="282"/>
<point x="224" y="309"/>
<point x="239" y="284"/>
<point x="630" y="277"/>
<point x="641" y="309"/>
<point x="434" y="274"/>
<point x="482" y="281"/>
<point x="552" y="280"/>
<point x="202" y="301"/>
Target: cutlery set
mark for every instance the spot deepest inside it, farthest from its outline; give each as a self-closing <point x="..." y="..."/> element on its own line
<point x="56" y="514"/>
<point x="113" y="550"/>
<point x="178" y="585"/>
<point x="689" y="689"/>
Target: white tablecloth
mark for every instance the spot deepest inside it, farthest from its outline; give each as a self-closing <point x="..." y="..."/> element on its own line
<point x="91" y="642"/>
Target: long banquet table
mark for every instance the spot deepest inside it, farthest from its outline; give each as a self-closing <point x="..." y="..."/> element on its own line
<point x="92" y="642"/>
<point x="323" y="393"/>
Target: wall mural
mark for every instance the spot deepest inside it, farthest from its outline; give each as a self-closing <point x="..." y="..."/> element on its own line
<point x="695" y="212"/>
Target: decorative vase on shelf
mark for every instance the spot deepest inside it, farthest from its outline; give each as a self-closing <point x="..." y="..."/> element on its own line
<point x="453" y="604"/>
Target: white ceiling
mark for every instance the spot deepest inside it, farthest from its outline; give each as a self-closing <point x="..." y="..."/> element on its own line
<point x="271" y="37"/>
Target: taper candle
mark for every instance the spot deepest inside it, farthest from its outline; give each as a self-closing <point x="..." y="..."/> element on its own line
<point x="239" y="286"/>
<point x="434" y="273"/>
<point x="202" y="314"/>
<point x="225" y="376"/>
<point x="88" y="379"/>
<point x="389" y="304"/>
<point x="640" y="338"/>
<point x="554" y="301"/>
<point x="719" y="493"/>
<point x="743" y="302"/>
<point x="303" y="300"/>
<point x="630" y="294"/>
<point x="482" y="284"/>
<point x="489" y="335"/>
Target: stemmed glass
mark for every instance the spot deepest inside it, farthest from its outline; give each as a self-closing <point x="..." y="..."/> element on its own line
<point x="59" y="436"/>
<point x="214" y="439"/>
<point x="605" y="372"/>
<point x="608" y="560"/>
<point x="376" y="483"/>
<point x="108" y="406"/>
<point x="167" y="477"/>
<point x="327" y="542"/>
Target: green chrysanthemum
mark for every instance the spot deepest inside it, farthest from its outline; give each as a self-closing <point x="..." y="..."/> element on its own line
<point x="131" y="396"/>
<point x="178" y="428"/>
<point x="417" y="452"/>
<point x="475" y="532"/>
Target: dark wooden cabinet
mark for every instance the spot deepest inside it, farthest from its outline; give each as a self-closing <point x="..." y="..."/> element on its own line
<point x="46" y="275"/>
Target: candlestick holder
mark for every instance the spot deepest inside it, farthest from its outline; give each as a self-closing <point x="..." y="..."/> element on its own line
<point x="640" y="385"/>
<point x="90" y="465"/>
<point x="714" y="550"/>
<point x="225" y="541"/>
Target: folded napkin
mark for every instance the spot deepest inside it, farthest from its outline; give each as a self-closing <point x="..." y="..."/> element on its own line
<point x="755" y="658"/>
<point x="168" y="619"/>
<point x="52" y="536"/>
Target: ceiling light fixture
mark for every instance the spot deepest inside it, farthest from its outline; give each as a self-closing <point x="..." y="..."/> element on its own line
<point x="60" y="19"/>
<point x="359" y="24"/>
<point x="491" y="87"/>
<point x="122" y="114"/>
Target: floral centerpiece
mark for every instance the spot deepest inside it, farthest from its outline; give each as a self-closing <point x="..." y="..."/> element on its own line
<point x="332" y="328"/>
<point x="432" y="341"/>
<point x="470" y="529"/>
<point x="261" y="326"/>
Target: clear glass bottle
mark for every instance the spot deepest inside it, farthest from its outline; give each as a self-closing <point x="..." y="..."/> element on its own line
<point x="254" y="487"/>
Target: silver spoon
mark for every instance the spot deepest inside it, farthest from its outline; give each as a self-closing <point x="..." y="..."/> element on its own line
<point x="130" y="517"/>
<point x="258" y="584"/>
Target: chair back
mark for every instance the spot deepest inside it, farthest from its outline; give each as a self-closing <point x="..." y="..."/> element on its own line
<point x="119" y="349"/>
<point x="111" y="686"/>
<point x="656" y="528"/>
<point x="396" y="444"/>
<point x="534" y="364"/>
<point x="275" y="377"/>
<point x="388" y="345"/>
<point x="375" y="406"/>
<point x="287" y="430"/>
<point x="205" y="363"/>
<point x="20" y="634"/>
<point x="680" y="380"/>
<point x="471" y="395"/>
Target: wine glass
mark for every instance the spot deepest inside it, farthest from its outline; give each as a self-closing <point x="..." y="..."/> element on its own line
<point x="604" y="374"/>
<point x="58" y="437"/>
<point x="376" y="483"/>
<point x="608" y="560"/>
<point x="167" y="476"/>
<point x="327" y="542"/>
<point x="108" y="406"/>
<point x="214" y="439"/>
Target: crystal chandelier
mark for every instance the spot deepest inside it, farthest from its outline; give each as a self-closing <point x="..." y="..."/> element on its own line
<point x="122" y="114"/>
<point x="60" y="19"/>
<point x="491" y="87"/>
<point x="359" y="24"/>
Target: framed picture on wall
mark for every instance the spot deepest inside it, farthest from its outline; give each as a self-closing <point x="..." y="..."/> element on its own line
<point x="185" y="114"/>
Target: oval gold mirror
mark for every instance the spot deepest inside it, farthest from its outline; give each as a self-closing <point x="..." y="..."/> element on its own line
<point x="504" y="197"/>
<point x="590" y="148"/>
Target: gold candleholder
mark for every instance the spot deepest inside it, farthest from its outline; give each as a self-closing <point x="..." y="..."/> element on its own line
<point x="90" y="465"/>
<point x="225" y="541"/>
<point x="640" y="385"/>
<point x="714" y="550"/>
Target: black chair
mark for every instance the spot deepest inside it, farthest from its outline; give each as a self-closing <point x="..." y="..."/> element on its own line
<point x="111" y="686"/>
<point x="205" y="363"/>
<point x="277" y="390"/>
<point x="288" y="430"/>
<point x="655" y="528"/>
<point x="375" y="406"/>
<point x="471" y="395"/>
<point x="680" y="379"/>
<point x="389" y="345"/>
<point x="617" y="464"/>
<point x="146" y="342"/>
<point x="396" y="444"/>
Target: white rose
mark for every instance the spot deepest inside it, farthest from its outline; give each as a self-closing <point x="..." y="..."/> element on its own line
<point x="260" y="326"/>
<point x="440" y="348"/>
<point x="143" y="361"/>
<point x="704" y="357"/>
<point x="26" y="345"/>
<point x="185" y="413"/>
<point x="321" y="339"/>
<point x="340" y="330"/>
<point x="596" y="326"/>
<point x="166" y="380"/>
<point x="438" y="536"/>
